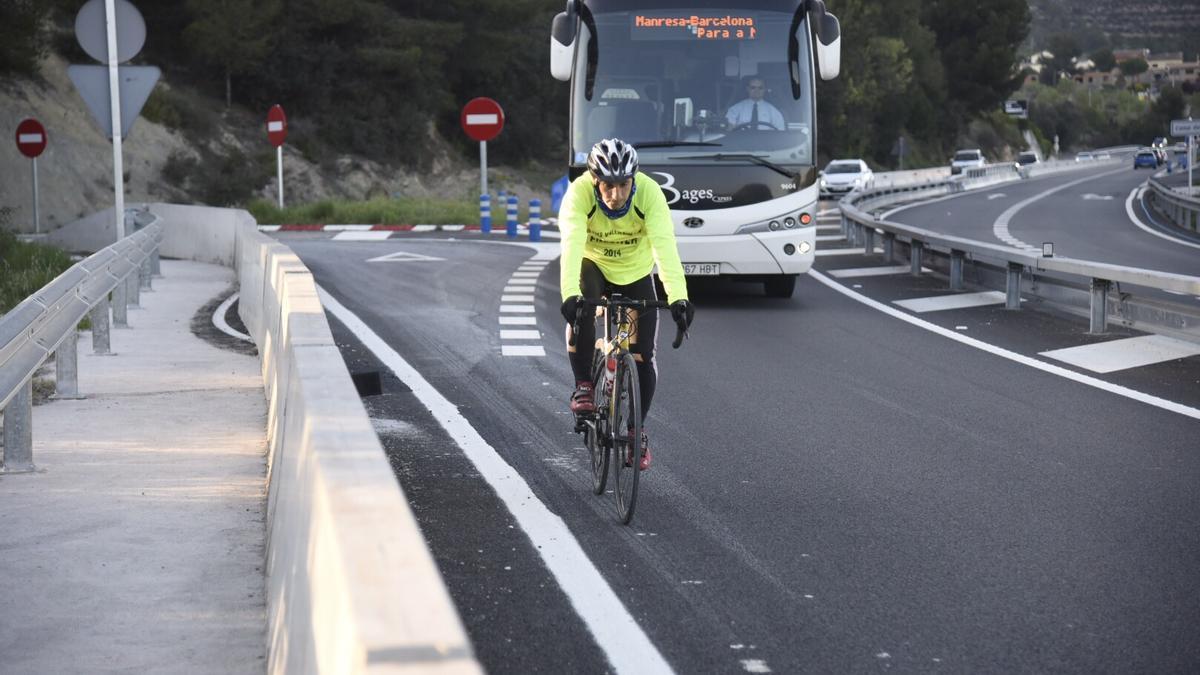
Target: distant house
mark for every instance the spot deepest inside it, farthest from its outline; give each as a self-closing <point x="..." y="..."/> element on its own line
<point x="1123" y="55"/>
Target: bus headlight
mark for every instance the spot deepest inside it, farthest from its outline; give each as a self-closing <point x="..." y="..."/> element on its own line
<point x="805" y="247"/>
<point x="789" y="222"/>
<point x="774" y="225"/>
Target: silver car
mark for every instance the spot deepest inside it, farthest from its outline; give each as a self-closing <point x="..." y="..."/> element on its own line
<point x="845" y="175"/>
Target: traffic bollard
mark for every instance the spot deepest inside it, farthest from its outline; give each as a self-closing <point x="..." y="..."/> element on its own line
<point x="485" y="214"/>
<point x="535" y="220"/>
<point x="512" y="217"/>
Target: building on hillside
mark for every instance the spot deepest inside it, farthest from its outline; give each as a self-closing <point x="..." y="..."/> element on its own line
<point x="1123" y="55"/>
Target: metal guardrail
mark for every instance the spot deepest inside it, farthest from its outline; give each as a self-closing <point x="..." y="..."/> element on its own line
<point x="45" y="323"/>
<point x="859" y="227"/>
<point x="1182" y="209"/>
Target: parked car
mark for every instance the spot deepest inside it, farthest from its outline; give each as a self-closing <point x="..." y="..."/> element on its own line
<point x="966" y="159"/>
<point x="844" y="175"/>
<point x="1084" y="157"/>
<point x="1026" y="158"/>
<point x="1146" y="158"/>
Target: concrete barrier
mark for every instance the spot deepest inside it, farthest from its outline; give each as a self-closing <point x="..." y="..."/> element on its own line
<point x="351" y="585"/>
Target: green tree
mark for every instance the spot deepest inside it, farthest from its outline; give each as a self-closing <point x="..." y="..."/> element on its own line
<point x="978" y="44"/>
<point x="233" y="35"/>
<point x="1104" y="60"/>
<point x="1134" y="67"/>
<point x="23" y="35"/>
<point x="1065" y="49"/>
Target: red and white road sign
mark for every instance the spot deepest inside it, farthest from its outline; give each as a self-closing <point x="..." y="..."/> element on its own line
<point x="31" y="138"/>
<point x="482" y="118"/>
<point x="276" y="126"/>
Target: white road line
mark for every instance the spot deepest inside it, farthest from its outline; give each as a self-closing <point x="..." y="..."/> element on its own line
<point x="516" y="298"/>
<point x="222" y="325"/>
<point x="1114" y="355"/>
<point x="1000" y="227"/>
<point x="518" y="321"/>
<point x="348" y="228"/>
<point x="520" y="335"/>
<point x="940" y="303"/>
<point x="616" y="632"/>
<point x="1090" y="381"/>
<point x="517" y="288"/>
<point x="522" y="350"/>
<point x="516" y="309"/>
<point x="1137" y="194"/>
<point x="859" y="250"/>
<point x="526" y="275"/>
<point x="361" y="235"/>
<point x="830" y="237"/>
<point x="853" y="272"/>
<point x="829" y="227"/>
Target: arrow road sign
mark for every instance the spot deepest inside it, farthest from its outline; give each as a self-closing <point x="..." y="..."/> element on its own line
<point x="136" y="84"/>
<point x="1185" y="127"/>
<point x="31" y="138"/>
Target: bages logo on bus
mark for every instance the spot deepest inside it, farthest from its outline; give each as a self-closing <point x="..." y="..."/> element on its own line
<point x="690" y="196"/>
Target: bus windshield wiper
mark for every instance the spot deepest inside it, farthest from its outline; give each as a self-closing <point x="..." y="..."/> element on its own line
<point x="673" y="144"/>
<point x="743" y="156"/>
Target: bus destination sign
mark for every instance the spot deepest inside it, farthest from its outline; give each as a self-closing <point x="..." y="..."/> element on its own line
<point x="693" y="27"/>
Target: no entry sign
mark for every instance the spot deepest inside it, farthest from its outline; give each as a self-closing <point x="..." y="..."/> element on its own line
<point x="482" y="119"/>
<point x="276" y="126"/>
<point x="31" y="138"/>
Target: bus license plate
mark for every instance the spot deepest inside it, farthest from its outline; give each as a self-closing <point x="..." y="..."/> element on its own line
<point x="701" y="269"/>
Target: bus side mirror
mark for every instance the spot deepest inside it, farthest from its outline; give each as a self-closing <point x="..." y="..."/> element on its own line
<point x="829" y="46"/>
<point x="562" y="46"/>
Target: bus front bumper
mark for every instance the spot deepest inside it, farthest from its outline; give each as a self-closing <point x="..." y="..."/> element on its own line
<point x="758" y="253"/>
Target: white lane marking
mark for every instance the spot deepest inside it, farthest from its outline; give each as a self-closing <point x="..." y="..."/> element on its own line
<point x="998" y="195"/>
<point x="404" y="256"/>
<point x="1000" y="227"/>
<point x="854" y="272"/>
<point x="1090" y="381"/>
<point x="348" y="228"/>
<point x="616" y="632"/>
<point x="829" y="227"/>
<point x="518" y="321"/>
<point x="1137" y="194"/>
<point x="516" y="309"/>
<point x="222" y="325"/>
<point x="520" y="334"/>
<point x="516" y="298"/>
<point x="361" y="235"/>
<point x="755" y="666"/>
<point x="537" y="264"/>
<point x="1114" y="355"/>
<point x="526" y="275"/>
<point x="522" y="350"/>
<point x="939" y="303"/>
<point x="844" y="251"/>
<point x="1093" y="196"/>
<point x="829" y="237"/>
<point x="516" y="288"/>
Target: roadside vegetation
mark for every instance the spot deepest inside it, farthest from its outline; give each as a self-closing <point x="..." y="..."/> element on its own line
<point x="403" y="211"/>
<point x="25" y="267"/>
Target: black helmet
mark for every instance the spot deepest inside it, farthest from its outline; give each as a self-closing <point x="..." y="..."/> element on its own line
<point x="613" y="160"/>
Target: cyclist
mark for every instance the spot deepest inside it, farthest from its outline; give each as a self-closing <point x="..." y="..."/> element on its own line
<point x="616" y="226"/>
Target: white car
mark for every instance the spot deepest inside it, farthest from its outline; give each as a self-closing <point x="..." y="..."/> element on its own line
<point x="845" y="175"/>
<point x="966" y="159"/>
<point x="1084" y="157"/>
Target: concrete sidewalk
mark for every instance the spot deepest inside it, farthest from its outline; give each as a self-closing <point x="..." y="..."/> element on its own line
<point x="138" y="545"/>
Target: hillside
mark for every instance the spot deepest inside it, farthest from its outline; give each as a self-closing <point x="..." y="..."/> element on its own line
<point x="161" y="164"/>
<point x="1159" y="25"/>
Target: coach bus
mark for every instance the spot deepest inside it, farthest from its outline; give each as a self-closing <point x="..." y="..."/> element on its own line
<point x="720" y="100"/>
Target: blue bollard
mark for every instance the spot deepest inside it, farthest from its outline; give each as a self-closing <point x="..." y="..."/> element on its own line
<point x="512" y="217"/>
<point x="535" y="220"/>
<point x="485" y="213"/>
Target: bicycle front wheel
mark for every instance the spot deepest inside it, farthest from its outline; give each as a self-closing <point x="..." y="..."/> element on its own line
<point x="626" y="429"/>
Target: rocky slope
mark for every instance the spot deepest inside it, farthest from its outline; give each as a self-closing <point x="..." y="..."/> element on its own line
<point x="75" y="173"/>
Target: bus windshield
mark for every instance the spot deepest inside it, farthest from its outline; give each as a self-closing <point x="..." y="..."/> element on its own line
<point x="687" y="85"/>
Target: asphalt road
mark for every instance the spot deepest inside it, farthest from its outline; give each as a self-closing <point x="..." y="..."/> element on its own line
<point x="834" y="489"/>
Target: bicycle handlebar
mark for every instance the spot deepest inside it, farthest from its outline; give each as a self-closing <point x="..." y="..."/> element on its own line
<point x="585" y="304"/>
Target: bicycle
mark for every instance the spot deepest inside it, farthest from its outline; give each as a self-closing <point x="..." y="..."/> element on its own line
<point x="614" y="429"/>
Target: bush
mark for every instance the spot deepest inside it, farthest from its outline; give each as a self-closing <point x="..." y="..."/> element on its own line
<point x="25" y="268"/>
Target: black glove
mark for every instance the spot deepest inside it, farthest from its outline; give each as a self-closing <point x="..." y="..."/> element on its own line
<point x="683" y="312"/>
<point x="570" y="308"/>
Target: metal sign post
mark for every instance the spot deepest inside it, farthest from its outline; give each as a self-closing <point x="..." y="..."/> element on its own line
<point x="277" y="134"/>
<point x="1191" y="129"/>
<point x="31" y="141"/>
<point x="114" y="86"/>
<point x="482" y="119"/>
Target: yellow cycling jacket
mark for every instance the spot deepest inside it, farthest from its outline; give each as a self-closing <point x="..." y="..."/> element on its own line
<point x="625" y="249"/>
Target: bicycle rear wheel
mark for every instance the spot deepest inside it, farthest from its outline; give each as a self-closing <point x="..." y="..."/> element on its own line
<point x="625" y="422"/>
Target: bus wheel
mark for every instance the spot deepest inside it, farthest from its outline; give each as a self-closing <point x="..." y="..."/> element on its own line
<point x="780" y="286"/>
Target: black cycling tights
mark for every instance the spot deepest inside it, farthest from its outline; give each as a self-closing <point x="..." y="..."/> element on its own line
<point x="642" y="343"/>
